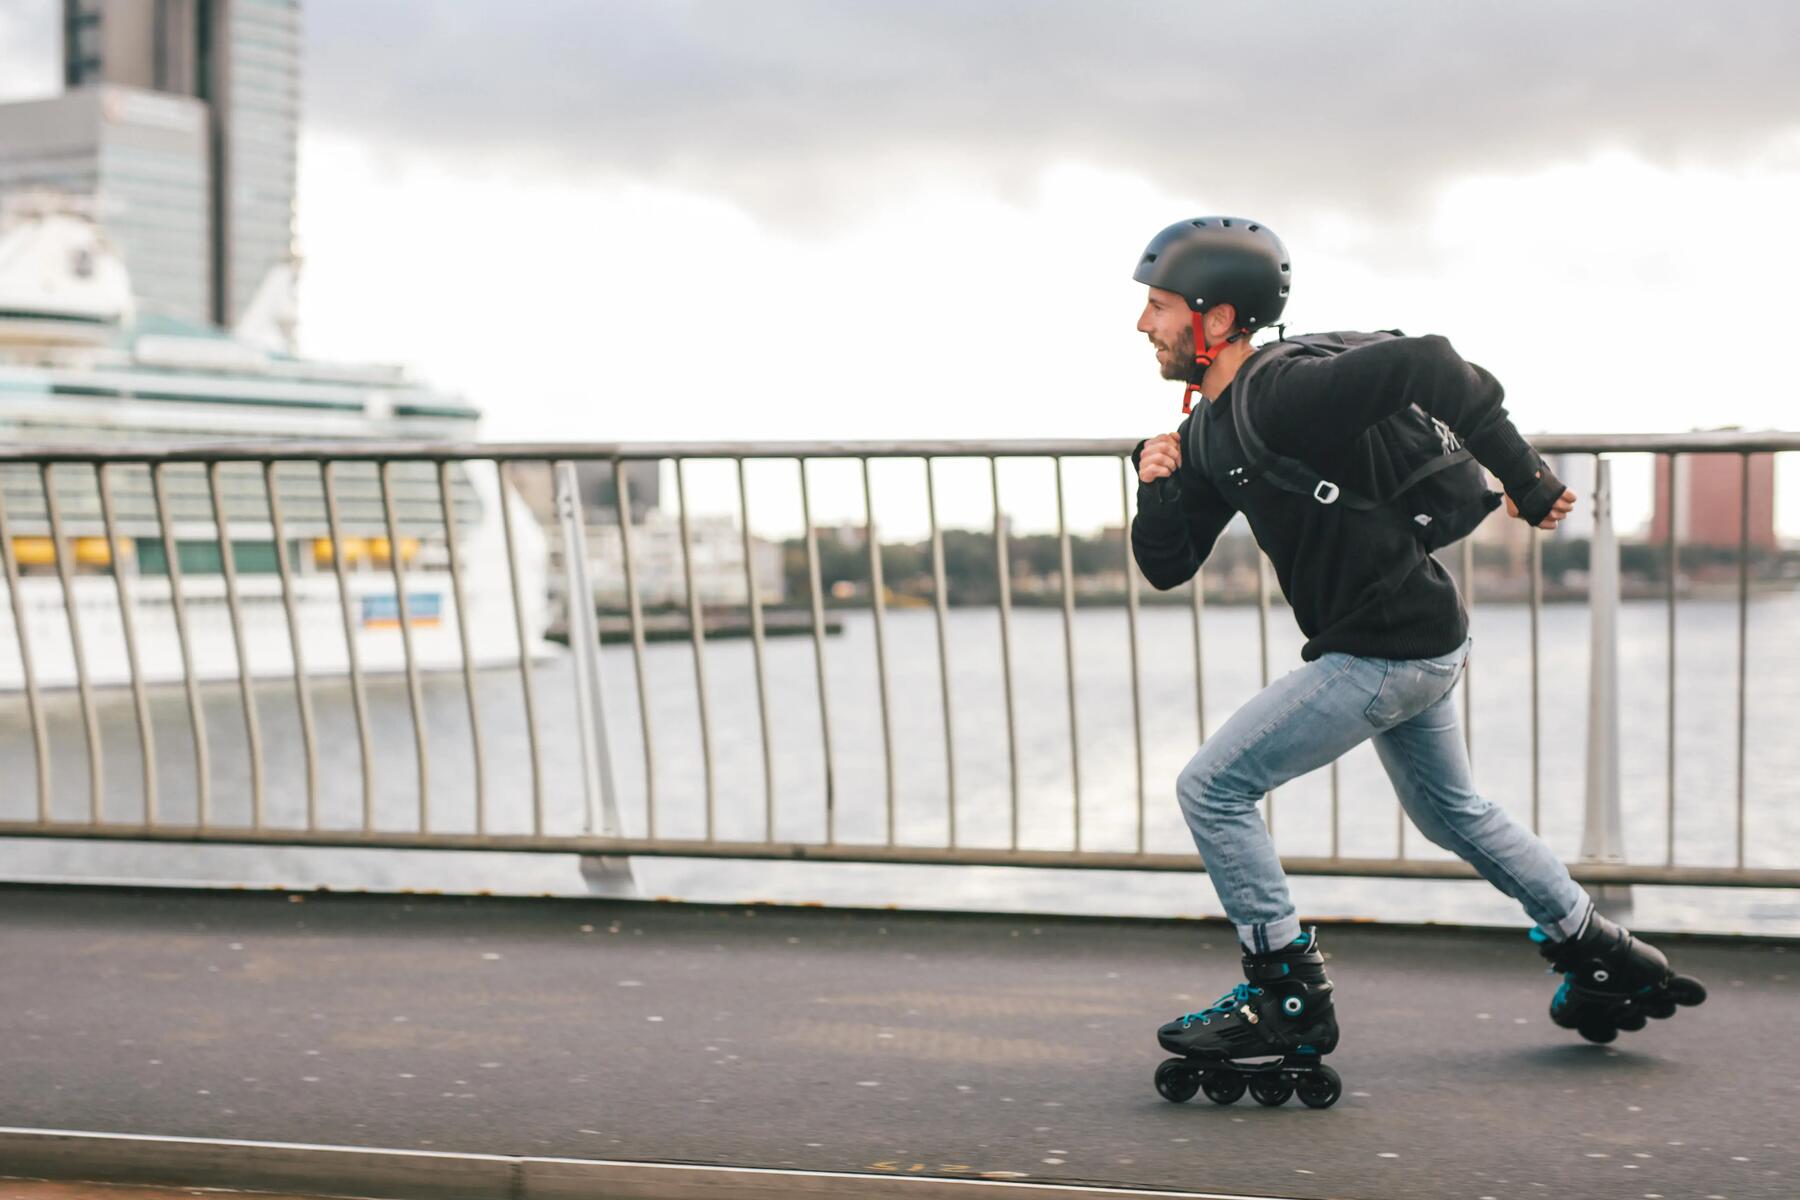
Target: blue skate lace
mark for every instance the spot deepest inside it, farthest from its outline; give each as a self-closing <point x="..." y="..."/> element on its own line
<point x="1224" y="1006"/>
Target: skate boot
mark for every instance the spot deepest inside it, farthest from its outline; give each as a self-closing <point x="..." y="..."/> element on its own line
<point x="1612" y="980"/>
<point x="1284" y="1011"/>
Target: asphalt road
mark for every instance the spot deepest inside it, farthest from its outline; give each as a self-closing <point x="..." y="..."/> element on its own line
<point x="973" y="1046"/>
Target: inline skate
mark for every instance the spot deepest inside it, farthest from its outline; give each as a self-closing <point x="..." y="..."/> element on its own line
<point x="1612" y="981"/>
<point x="1284" y="1011"/>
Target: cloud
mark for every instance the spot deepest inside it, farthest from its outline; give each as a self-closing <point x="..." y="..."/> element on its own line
<point x="30" y="49"/>
<point x="805" y="108"/>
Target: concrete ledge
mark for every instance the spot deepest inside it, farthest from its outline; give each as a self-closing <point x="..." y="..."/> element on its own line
<point x="426" y="1175"/>
<point x="359" y="895"/>
<point x="844" y="852"/>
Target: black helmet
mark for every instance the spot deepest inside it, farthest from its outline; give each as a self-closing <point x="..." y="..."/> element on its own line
<point x="1220" y="260"/>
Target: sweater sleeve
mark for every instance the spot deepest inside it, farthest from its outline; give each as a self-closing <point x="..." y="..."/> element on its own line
<point x="1319" y="406"/>
<point x="1176" y="528"/>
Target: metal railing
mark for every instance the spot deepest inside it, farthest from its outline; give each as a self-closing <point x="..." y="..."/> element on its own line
<point x="601" y="831"/>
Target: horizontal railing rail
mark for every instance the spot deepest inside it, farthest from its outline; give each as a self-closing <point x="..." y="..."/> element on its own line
<point x="1712" y="442"/>
<point x="486" y="584"/>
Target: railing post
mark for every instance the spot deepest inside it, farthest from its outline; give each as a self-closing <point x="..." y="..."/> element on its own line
<point x="607" y="875"/>
<point x="1602" y="838"/>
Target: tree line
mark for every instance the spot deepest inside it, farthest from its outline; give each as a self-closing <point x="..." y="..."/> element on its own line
<point x="970" y="557"/>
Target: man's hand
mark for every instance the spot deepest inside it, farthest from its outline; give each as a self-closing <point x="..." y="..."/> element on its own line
<point x="1564" y="504"/>
<point x="1161" y="456"/>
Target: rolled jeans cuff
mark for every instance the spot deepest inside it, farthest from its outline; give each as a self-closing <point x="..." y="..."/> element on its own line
<point x="1571" y="925"/>
<point x="1263" y="939"/>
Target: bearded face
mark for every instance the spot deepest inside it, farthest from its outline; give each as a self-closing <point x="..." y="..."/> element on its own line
<point x="1176" y="358"/>
<point x="1169" y="324"/>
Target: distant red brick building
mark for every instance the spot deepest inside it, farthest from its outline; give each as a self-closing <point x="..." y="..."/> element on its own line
<point x="1708" y="498"/>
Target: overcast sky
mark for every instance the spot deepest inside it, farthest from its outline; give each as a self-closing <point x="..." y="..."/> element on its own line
<point x="855" y="219"/>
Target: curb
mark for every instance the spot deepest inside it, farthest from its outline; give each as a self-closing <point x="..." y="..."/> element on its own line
<point x="429" y="1175"/>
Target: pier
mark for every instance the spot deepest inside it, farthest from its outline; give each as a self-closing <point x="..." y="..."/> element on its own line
<point x="400" y="1045"/>
<point x="859" y="1048"/>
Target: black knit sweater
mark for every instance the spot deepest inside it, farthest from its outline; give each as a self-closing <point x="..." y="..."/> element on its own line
<point x="1357" y="581"/>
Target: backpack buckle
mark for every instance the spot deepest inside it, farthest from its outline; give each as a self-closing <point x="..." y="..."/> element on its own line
<point x="1326" y="492"/>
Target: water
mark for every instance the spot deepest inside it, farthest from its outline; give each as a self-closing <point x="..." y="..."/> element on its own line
<point x="1705" y="809"/>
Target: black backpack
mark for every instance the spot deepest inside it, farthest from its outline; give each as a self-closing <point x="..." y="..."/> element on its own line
<point x="1444" y="490"/>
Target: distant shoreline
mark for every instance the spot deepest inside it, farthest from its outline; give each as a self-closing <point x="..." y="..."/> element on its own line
<point x="728" y="621"/>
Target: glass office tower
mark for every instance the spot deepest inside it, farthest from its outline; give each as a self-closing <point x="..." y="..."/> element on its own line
<point x="241" y="59"/>
<point x="140" y="162"/>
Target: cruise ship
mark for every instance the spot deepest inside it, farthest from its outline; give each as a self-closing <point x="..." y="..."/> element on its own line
<point x="80" y="366"/>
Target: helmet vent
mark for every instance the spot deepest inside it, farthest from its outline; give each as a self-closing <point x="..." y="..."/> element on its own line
<point x="1149" y="258"/>
<point x="1284" y="291"/>
<point x="1226" y="222"/>
<point x="1284" y="268"/>
<point x="1254" y="228"/>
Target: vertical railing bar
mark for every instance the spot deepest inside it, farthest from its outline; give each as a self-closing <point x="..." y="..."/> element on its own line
<point x="90" y="721"/>
<point x="1743" y="641"/>
<point x="940" y="602"/>
<point x="599" y="794"/>
<point x="462" y="637"/>
<point x="302" y="690"/>
<point x="697" y="631"/>
<point x="1199" y="610"/>
<point x="1068" y="613"/>
<point x="818" y="616"/>
<point x="414" y="696"/>
<point x="40" y="738"/>
<point x="1262" y="637"/>
<point x="756" y="645"/>
<point x="525" y="672"/>
<point x="140" y="702"/>
<point x="1674" y="571"/>
<point x="1468" y="685"/>
<point x="228" y="566"/>
<point x="1131" y="626"/>
<point x="1262" y="614"/>
<point x="877" y="603"/>
<point x="1003" y="578"/>
<point x="1334" y="808"/>
<point x="1537" y="607"/>
<point x="178" y="605"/>
<point x="1602" y="836"/>
<point x="358" y="697"/>
<point x="1399" y="830"/>
<point x="622" y="486"/>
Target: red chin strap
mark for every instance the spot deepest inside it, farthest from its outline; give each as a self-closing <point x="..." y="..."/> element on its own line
<point x="1204" y="353"/>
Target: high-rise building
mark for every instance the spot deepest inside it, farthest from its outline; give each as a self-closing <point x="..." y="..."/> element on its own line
<point x="1708" y="500"/>
<point x="138" y="160"/>
<point x="240" y="59"/>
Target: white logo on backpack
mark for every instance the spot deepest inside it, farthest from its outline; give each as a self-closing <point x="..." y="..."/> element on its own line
<point x="1446" y="436"/>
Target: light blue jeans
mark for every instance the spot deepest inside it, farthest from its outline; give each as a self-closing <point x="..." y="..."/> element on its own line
<point x="1314" y="715"/>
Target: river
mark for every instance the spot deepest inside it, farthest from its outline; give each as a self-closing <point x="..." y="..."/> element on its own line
<point x="1705" y="773"/>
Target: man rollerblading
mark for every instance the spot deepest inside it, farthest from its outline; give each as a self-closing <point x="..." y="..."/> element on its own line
<point x="1352" y="456"/>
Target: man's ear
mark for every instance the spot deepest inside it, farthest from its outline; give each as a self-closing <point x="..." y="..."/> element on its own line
<point x="1221" y="322"/>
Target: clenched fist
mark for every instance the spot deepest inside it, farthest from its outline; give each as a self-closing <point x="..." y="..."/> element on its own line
<point x="1161" y="456"/>
<point x="1564" y="503"/>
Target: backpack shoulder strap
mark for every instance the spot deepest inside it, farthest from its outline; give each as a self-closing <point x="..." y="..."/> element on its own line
<point x="1287" y="472"/>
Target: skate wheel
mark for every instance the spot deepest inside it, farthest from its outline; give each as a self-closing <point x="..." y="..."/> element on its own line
<point x="1177" y="1082"/>
<point x="1685" y="989"/>
<point x="1270" y="1093"/>
<point x="1660" y="1010"/>
<point x="1321" y="1088"/>
<point x="1632" y="1020"/>
<point x="1597" y="1031"/>
<point x="1222" y="1088"/>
